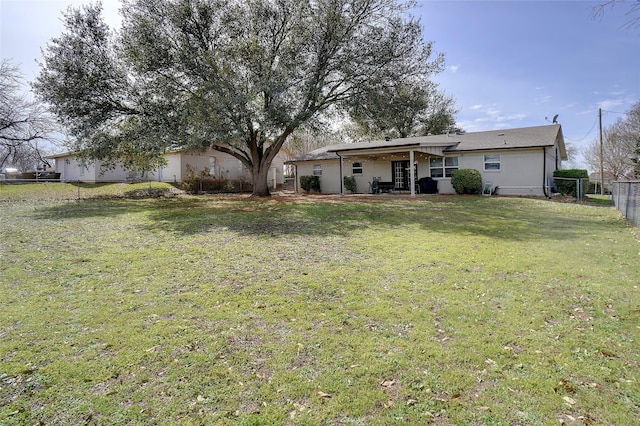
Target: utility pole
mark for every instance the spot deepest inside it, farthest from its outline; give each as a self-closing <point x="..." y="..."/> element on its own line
<point x="601" y="154"/>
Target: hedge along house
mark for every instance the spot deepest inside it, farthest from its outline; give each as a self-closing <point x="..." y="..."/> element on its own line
<point x="513" y="161"/>
<point x="179" y="164"/>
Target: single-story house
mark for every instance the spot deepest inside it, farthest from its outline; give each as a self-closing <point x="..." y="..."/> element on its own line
<point x="511" y="161"/>
<point x="178" y="164"/>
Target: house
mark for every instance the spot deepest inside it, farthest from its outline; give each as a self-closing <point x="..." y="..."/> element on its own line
<point x="179" y="163"/>
<point x="517" y="161"/>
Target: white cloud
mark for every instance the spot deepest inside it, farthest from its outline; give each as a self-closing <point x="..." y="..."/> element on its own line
<point x="489" y="117"/>
<point x="453" y="68"/>
<point x="609" y="104"/>
<point x="542" y="98"/>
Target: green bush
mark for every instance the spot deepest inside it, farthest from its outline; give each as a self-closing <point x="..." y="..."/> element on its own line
<point x="350" y="184"/>
<point x="568" y="187"/>
<point x="310" y="183"/>
<point x="466" y="181"/>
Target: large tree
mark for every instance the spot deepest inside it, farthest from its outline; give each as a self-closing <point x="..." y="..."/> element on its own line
<point x="23" y="122"/>
<point x="619" y="147"/>
<point x="407" y="108"/>
<point x="240" y="76"/>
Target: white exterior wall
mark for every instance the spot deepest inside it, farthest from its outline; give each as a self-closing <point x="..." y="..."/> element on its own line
<point x="172" y="171"/>
<point x="330" y="178"/>
<point x="71" y="170"/>
<point x="226" y="167"/>
<point x="520" y="171"/>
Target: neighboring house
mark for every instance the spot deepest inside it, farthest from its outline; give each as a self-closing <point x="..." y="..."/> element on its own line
<point x="513" y="161"/>
<point x="178" y="164"/>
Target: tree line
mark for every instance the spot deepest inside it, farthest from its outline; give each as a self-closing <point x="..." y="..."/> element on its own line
<point x="620" y="147"/>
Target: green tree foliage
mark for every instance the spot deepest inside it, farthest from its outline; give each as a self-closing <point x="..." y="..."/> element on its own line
<point x="240" y="76"/>
<point x="404" y="109"/>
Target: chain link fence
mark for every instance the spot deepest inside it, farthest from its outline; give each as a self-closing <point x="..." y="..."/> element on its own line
<point x="626" y="198"/>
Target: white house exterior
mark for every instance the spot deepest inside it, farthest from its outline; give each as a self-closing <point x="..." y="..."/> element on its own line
<point x="513" y="161"/>
<point x="178" y="163"/>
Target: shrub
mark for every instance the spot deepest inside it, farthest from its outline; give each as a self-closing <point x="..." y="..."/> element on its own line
<point x="310" y="183"/>
<point x="568" y="186"/>
<point x="466" y="181"/>
<point x="350" y="184"/>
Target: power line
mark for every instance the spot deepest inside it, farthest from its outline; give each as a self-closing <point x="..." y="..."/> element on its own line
<point x="615" y="112"/>
<point x="585" y="136"/>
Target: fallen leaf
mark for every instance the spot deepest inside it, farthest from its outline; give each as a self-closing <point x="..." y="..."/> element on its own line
<point x="388" y="383"/>
<point x="569" y="400"/>
<point x="324" y="395"/>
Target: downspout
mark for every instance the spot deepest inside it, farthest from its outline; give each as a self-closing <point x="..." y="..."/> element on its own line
<point x="544" y="171"/>
<point x="341" y="178"/>
<point x="295" y="181"/>
<point x="412" y="177"/>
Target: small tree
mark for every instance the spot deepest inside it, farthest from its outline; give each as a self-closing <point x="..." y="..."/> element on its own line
<point x="466" y="181"/>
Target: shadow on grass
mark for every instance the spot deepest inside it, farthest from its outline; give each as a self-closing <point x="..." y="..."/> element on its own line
<point x="500" y="218"/>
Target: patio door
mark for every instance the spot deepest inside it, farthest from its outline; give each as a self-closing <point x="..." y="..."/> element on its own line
<point x="400" y="174"/>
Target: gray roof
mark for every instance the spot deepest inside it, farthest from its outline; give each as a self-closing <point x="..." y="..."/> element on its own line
<point x="519" y="138"/>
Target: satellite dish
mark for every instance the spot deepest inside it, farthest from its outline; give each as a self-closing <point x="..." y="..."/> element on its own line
<point x="555" y="119"/>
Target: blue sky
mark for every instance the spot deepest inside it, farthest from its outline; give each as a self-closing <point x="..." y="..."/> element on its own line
<point x="513" y="63"/>
<point x="509" y="63"/>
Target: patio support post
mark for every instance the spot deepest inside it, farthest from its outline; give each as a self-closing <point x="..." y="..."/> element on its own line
<point x="341" y="177"/>
<point x="412" y="177"/>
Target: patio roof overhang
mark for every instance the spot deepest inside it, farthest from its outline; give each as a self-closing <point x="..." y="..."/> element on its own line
<point x="434" y="150"/>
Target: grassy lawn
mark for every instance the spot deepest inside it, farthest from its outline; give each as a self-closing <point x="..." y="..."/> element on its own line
<point x="308" y="311"/>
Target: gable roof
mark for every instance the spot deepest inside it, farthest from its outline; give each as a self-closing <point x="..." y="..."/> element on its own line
<point x="519" y="138"/>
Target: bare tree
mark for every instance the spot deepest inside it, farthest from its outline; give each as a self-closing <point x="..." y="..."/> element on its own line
<point x="23" y="122"/>
<point x="633" y="13"/>
<point x="619" y="147"/>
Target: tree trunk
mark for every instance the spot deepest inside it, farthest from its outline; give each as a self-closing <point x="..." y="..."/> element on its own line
<point x="260" y="184"/>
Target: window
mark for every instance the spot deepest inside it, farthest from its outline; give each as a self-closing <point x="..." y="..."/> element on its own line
<point x="450" y="164"/>
<point x="435" y="167"/>
<point x="317" y="169"/>
<point x="212" y="166"/>
<point x="442" y="166"/>
<point x="492" y="162"/>
<point x="356" y="168"/>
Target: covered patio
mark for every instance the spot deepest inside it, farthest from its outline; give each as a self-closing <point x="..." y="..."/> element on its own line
<point x="388" y="168"/>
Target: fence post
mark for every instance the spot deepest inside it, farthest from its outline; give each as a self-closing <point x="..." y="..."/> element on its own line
<point x="626" y="209"/>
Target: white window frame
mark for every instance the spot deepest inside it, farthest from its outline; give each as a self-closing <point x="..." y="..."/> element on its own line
<point x="357" y="168"/>
<point x="317" y="169"/>
<point x="444" y="167"/>
<point x="492" y="163"/>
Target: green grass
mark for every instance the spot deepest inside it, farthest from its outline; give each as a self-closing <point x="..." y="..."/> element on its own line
<point x="327" y="310"/>
<point x="72" y="191"/>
